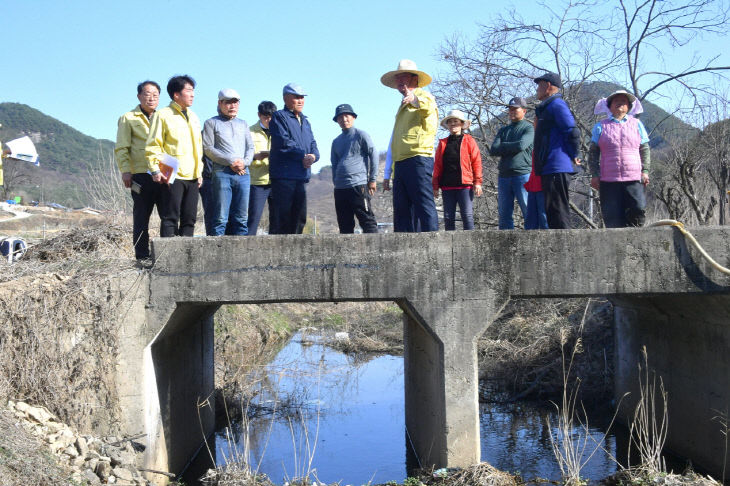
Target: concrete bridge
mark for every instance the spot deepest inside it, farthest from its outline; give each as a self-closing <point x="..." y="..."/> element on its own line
<point x="450" y="286"/>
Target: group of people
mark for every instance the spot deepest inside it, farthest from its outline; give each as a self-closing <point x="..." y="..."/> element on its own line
<point x="237" y="169"/>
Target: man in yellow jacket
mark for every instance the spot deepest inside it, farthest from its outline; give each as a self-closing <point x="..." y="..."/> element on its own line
<point x="132" y="132"/>
<point x="176" y="131"/>
<point x="414" y="134"/>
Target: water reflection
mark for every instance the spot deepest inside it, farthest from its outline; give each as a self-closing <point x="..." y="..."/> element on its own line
<point x="347" y="417"/>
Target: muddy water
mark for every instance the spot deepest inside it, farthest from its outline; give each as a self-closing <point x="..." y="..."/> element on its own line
<point x="340" y="419"/>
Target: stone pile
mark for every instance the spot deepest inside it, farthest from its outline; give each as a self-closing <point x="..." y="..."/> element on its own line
<point x="92" y="460"/>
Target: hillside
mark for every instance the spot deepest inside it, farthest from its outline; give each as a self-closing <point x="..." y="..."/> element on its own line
<point x="65" y="156"/>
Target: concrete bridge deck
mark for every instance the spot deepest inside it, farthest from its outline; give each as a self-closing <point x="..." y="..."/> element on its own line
<point x="451" y="286"/>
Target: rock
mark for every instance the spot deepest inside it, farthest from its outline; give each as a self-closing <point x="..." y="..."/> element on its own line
<point x="78" y="461"/>
<point x="115" y="455"/>
<point x="91" y="477"/>
<point x="123" y="474"/>
<point x="54" y="427"/>
<point x="82" y="446"/>
<point x="342" y="336"/>
<point x="71" y="451"/>
<point x="39" y="414"/>
<point x="91" y="463"/>
<point x="111" y="480"/>
<point x="21" y="407"/>
<point x="103" y="470"/>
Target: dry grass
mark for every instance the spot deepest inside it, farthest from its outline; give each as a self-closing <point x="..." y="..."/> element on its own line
<point x="24" y="459"/>
<point x="520" y="354"/>
<point x="57" y="347"/>
<point x="481" y="474"/>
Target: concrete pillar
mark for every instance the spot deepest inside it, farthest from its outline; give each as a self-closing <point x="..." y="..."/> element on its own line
<point x="687" y="338"/>
<point x="179" y="376"/>
<point x="441" y="378"/>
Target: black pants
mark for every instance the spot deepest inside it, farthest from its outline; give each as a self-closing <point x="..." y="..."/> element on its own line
<point x="149" y="196"/>
<point x="351" y="202"/>
<point x="557" y="200"/>
<point x="623" y="204"/>
<point x="179" y="208"/>
<point x="288" y="207"/>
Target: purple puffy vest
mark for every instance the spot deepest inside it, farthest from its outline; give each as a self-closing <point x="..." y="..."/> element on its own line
<point x="619" y="144"/>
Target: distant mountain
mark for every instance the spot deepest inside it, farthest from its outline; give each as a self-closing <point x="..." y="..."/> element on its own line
<point x="662" y="125"/>
<point x="60" y="147"/>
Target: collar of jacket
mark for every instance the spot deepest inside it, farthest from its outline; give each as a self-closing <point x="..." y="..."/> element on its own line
<point x="176" y="107"/>
<point x="547" y="101"/>
<point x="291" y="114"/>
<point x="140" y="112"/>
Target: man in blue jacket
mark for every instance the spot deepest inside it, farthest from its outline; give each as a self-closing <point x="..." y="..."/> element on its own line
<point x="293" y="151"/>
<point x="557" y="143"/>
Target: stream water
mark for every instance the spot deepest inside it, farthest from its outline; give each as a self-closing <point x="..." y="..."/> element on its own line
<point x="321" y="411"/>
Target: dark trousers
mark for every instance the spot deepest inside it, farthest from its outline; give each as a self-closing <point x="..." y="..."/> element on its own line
<point x="288" y="207"/>
<point x="351" y="202"/>
<point x="208" y="200"/>
<point x="464" y="199"/>
<point x="413" y="195"/>
<point x="557" y="200"/>
<point x="179" y="208"/>
<point x="143" y="202"/>
<point x="623" y="204"/>
<point x="256" y="201"/>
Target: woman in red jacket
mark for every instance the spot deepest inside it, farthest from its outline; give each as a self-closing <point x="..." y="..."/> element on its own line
<point x="457" y="171"/>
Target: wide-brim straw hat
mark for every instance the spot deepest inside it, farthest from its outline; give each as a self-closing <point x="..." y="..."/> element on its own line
<point x="459" y="115"/>
<point x="405" y="66"/>
<point x="610" y="97"/>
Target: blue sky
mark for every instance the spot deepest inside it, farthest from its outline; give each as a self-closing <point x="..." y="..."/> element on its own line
<point x="80" y="61"/>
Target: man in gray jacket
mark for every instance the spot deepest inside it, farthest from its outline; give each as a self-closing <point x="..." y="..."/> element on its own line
<point x="227" y="143"/>
<point x="354" y="168"/>
<point x="513" y="145"/>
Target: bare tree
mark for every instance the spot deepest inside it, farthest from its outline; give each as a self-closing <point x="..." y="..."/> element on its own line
<point x="16" y="173"/>
<point x="587" y="41"/>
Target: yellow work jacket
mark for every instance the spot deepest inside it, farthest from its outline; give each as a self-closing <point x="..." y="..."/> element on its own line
<point x="132" y="131"/>
<point x="260" y="168"/>
<point x="414" y="132"/>
<point x="171" y="133"/>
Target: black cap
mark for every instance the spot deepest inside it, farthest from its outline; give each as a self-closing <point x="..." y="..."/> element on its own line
<point x="519" y="102"/>
<point x="551" y="78"/>
<point x="345" y="108"/>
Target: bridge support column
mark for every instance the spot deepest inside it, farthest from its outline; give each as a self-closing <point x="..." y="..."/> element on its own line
<point x="441" y="379"/>
<point x="687" y="338"/>
<point x="179" y="387"/>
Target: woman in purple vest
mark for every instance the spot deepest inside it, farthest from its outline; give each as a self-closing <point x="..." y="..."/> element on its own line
<point x="619" y="161"/>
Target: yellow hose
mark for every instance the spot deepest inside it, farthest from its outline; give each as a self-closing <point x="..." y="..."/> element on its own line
<point x="688" y="235"/>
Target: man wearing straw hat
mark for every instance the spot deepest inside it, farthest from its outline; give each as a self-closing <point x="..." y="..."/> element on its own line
<point x="412" y="145"/>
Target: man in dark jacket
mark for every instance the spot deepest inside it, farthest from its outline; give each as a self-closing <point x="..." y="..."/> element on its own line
<point x="513" y="145"/>
<point x="293" y="151"/>
<point x="556" y="149"/>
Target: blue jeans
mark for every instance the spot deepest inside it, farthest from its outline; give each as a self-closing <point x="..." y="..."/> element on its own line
<point x="536" y="217"/>
<point x="230" y="193"/>
<point x="256" y="202"/>
<point x="464" y="198"/>
<point x="509" y="189"/>
<point x="413" y="195"/>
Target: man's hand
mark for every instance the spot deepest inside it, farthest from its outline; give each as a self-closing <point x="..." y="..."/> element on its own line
<point x="478" y="190"/>
<point x="386" y="185"/>
<point x="596" y="183"/>
<point x="261" y="155"/>
<point x="435" y="193"/>
<point x="645" y="178"/>
<point x="371" y="187"/>
<point x="200" y="182"/>
<point x="159" y="178"/>
<point x="409" y="97"/>
<point x="238" y="167"/>
<point x="308" y="160"/>
<point x="127" y="179"/>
